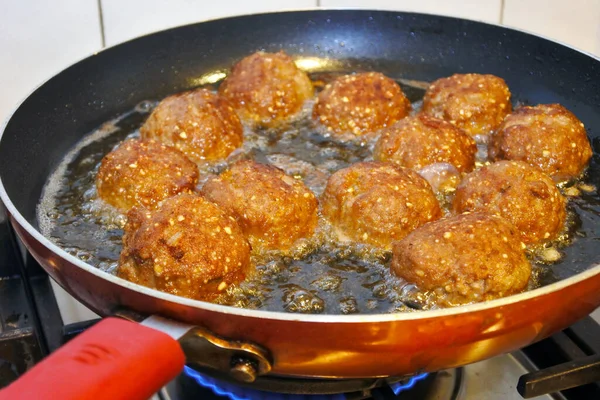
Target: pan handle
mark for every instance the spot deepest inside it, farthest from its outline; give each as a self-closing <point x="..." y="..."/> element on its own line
<point x="238" y="359"/>
<point x="115" y="359"/>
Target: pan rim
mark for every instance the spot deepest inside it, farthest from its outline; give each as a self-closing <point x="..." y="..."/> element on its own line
<point x="278" y="315"/>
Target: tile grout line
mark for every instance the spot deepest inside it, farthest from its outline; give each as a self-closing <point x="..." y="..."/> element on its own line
<point x="101" y="17"/>
<point x="502" y="4"/>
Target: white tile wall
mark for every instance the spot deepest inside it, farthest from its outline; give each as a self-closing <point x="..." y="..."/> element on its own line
<point x="40" y="37"/>
<point x="481" y="10"/>
<point x="574" y="22"/>
<point x="124" y="20"/>
<point x="37" y="39"/>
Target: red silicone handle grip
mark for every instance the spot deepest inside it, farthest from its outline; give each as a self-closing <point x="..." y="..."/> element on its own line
<point x="114" y="359"/>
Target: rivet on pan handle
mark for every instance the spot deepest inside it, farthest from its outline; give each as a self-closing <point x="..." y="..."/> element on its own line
<point x="240" y="360"/>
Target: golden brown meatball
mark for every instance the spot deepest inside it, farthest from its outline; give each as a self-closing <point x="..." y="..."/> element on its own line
<point x="521" y="193"/>
<point x="267" y="88"/>
<point x="144" y="172"/>
<point x="476" y="103"/>
<point x="463" y="259"/>
<point x="200" y="123"/>
<point x="273" y="209"/>
<point x="187" y="246"/>
<point x="377" y="203"/>
<point x="547" y="135"/>
<point x="360" y="104"/>
<point x="418" y="141"/>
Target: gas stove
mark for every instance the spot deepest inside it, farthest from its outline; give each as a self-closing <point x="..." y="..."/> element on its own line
<point x="32" y="327"/>
<point x="493" y="379"/>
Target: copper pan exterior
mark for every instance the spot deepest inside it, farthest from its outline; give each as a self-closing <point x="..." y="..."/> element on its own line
<point x="347" y="346"/>
<point x="412" y="46"/>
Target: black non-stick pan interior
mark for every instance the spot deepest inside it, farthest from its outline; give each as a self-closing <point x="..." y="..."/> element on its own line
<point x="401" y="45"/>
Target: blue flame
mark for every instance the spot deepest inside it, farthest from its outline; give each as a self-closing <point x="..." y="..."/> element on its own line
<point x="234" y="392"/>
<point x="211" y="384"/>
<point x="399" y="387"/>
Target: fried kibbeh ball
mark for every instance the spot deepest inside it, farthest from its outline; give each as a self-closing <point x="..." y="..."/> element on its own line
<point x="463" y="259"/>
<point x="546" y="135"/>
<point x="377" y="203"/>
<point x="187" y="246"/>
<point x="418" y="141"/>
<point x="473" y="102"/>
<point x="267" y="89"/>
<point x="144" y="172"/>
<point x="273" y="209"/>
<point x="199" y="123"/>
<point x="518" y="192"/>
<point x="360" y="104"/>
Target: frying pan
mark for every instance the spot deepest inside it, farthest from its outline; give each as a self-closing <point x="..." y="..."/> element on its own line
<point x="249" y="343"/>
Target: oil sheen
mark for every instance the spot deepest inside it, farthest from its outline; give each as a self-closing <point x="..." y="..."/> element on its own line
<point x="321" y="275"/>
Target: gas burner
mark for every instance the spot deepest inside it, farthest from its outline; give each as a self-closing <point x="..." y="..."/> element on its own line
<point x="195" y="385"/>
